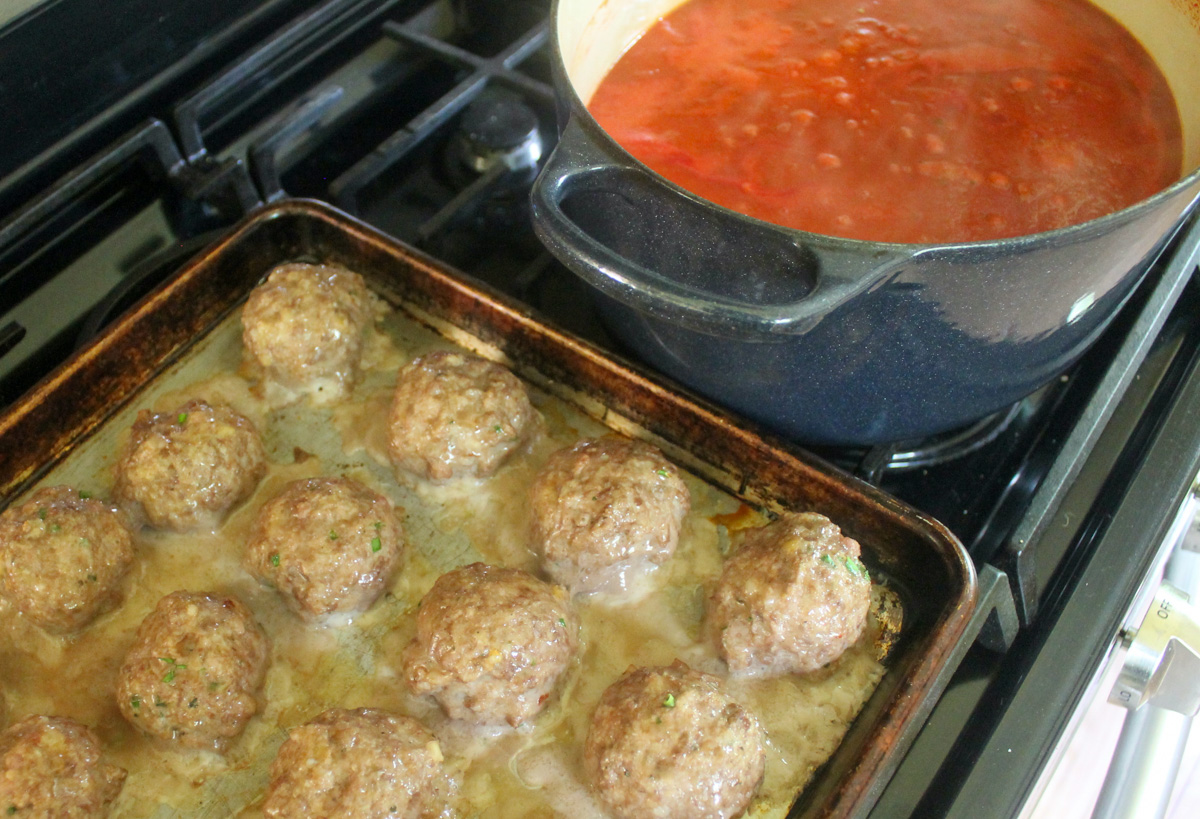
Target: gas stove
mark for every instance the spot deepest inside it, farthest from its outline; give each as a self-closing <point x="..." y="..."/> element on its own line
<point x="429" y="121"/>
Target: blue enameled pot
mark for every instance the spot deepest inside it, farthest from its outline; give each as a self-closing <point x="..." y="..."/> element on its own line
<point x="828" y="340"/>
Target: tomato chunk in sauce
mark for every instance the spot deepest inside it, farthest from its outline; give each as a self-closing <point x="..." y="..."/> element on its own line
<point x="898" y="120"/>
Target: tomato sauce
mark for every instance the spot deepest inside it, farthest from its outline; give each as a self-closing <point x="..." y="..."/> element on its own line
<point x="898" y="120"/>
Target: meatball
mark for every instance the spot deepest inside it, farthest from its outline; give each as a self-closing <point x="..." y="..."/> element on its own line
<point x="50" y="766"/>
<point x="669" y="743"/>
<point x="186" y="469"/>
<point x="63" y="556"/>
<point x="457" y="415"/>
<point x="193" y="670"/>
<point x="305" y="325"/>
<point x="329" y="545"/>
<point x="791" y="599"/>
<point x="491" y="644"/>
<point x="364" y="763"/>
<point x="606" y="512"/>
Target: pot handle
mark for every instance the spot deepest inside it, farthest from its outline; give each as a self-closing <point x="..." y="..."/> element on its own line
<point x="663" y="251"/>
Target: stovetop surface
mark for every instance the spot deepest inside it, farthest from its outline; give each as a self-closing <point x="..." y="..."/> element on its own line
<point x="428" y="120"/>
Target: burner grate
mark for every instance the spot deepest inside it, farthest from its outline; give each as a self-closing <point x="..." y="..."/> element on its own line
<point x="484" y="71"/>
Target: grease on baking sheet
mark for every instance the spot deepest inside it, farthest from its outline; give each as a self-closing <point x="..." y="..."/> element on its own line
<point x="514" y="773"/>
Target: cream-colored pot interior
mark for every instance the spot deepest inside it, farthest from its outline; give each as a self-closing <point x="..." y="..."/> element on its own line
<point x="593" y="34"/>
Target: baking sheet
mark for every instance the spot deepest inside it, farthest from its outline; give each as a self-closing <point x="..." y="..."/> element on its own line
<point x="917" y="557"/>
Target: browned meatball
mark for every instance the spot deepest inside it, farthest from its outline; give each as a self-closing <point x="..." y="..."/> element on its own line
<point x="305" y="325"/>
<point x="791" y="599"/>
<point x="51" y="767"/>
<point x="457" y="415"/>
<point x="193" y="670"/>
<point x="491" y="644"/>
<point x="186" y="469"/>
<point x="668" y="743"/>
<point x="329" y="545"/>
<point x="606" y="512"/>
<point x="62" y="558"/>
<point x="365" y="763"/>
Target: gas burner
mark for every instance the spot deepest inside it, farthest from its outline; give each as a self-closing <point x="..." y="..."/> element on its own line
<point x="870" y="463"/>
<point x="498" y="131"/>
<point x="489" y="162"/>
<point x="947" y="446"/>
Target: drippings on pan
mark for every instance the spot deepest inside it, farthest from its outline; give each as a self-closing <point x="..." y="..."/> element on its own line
<point x="419" y="620"/>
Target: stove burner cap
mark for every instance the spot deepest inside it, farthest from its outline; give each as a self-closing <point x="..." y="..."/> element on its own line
<point x="499" y="127"/>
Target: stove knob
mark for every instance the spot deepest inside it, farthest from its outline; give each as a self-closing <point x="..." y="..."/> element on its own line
<point x="1162" y="667"/>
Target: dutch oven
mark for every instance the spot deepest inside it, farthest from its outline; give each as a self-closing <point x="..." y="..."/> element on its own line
<point x="829" y="340"/>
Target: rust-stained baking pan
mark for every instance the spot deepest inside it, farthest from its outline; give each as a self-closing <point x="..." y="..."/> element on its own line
<point x="920" y="558"/>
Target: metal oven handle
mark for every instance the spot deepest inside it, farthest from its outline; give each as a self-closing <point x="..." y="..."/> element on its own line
<point x="1160" y="683"/>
